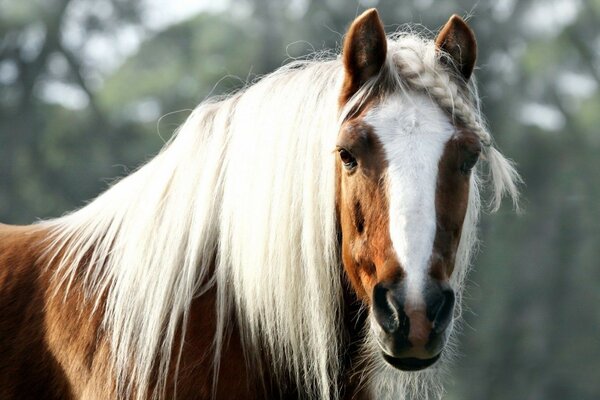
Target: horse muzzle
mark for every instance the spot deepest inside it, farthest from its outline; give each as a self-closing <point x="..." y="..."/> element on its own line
<point x="412" y="333"/>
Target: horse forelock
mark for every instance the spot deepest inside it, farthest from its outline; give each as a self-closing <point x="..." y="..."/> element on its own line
<point x="242" y="198"/>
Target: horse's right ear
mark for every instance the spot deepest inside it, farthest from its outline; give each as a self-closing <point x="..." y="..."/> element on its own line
<point x="364" y="52"/>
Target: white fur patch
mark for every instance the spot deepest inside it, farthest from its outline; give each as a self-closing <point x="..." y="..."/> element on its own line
<point x="413" y="132"/>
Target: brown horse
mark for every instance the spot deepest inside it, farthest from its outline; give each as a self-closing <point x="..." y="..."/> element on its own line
<point x="306" y="237"/>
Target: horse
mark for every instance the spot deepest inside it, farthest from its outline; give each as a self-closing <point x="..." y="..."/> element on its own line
<point x="305" y="237"/>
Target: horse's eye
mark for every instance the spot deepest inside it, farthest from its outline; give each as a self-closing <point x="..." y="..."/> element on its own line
<point x="469" y="162"/>
<point x="347" y="159"/>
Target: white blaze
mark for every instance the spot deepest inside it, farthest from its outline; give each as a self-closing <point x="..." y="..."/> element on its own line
<point x="413" y="132"/>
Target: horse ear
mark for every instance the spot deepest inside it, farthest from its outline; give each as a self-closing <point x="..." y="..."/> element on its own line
<point x="365" y="49"/>
<point x="458" y="41"/>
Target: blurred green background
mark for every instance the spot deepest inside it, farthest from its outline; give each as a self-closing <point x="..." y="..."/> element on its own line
<point x="84" y="84"/>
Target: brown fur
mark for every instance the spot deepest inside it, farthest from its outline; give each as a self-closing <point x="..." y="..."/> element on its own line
<point x="367" y="253"/>
<point x="29" y="369"/>
<point x="451" y="200"/>
<point x="54" y="347"/>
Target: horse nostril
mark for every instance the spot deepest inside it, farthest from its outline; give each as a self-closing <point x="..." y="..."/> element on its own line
<point x="383" y="311"/>
<point x="442" y="310"/>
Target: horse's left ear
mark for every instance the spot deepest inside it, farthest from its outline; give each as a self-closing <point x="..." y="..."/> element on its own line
<point x="458" y="41"/>
<point x="365" y="49"/>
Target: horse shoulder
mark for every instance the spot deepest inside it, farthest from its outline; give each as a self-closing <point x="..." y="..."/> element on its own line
<point x="28" y="369"/>
<point x="50" y="343"/>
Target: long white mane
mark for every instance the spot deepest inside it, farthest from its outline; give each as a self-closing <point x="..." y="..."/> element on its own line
<point x="242" y="198"/>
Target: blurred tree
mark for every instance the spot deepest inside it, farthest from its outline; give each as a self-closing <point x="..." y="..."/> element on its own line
<point x="41" y="68"/>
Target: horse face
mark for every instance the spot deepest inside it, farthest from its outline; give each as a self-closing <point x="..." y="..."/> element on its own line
<point x="404" y="176"/>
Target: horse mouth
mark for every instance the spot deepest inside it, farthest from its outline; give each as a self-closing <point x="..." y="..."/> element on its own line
<point x="410" y="363"/>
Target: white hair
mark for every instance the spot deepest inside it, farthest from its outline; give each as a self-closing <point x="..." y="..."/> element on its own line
<point x="247" y="186"/>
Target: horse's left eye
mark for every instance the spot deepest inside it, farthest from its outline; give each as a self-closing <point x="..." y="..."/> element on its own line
<point x="468" y="163"/>
<point x="347" y="159"/>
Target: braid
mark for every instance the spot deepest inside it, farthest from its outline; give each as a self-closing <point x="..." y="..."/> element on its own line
<point x="419" y="67"/>
<point x="416" y="63"/>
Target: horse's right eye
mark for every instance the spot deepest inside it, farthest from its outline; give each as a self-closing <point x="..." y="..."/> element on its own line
<point x="347" y="159"/>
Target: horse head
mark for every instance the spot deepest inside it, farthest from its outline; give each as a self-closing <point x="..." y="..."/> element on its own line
<point x="403" y="185"/>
